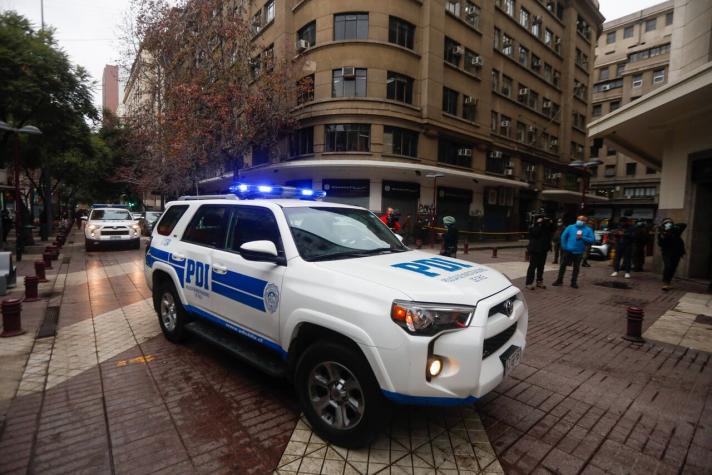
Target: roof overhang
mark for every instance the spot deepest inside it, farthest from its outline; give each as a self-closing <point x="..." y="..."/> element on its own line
<point x="640" y="129"/>
<point x="568" y="196"/>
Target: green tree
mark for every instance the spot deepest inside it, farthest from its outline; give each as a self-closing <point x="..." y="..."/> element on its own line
<point x="39" y="86"/>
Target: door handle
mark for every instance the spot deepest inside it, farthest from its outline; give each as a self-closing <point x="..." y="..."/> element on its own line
<point x="218" y="269"/>
<point x="178" y="257"/>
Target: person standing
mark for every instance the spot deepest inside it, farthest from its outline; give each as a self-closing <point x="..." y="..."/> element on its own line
<point x="573" y="244"/>
<point x="624" y="247"/>
<point x="539" y="245"/>
<point x="556" y="238"/>
<point x="640" y="242"/>
<point x="450" y="237"/>
<point x="672" y="248"/>
<point x="390" y="219"/>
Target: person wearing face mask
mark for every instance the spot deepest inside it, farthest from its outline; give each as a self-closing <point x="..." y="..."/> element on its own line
<point x="672" y="248"/>
<point x="624" y="236"/>
<point x="573" y="244"/>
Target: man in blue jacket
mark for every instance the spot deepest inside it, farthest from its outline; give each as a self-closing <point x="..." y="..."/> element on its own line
<point x="573" y="245"/>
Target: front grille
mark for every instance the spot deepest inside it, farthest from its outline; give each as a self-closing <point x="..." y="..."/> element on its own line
<point x="500" y="307"/>
<point x="497" y="341"/>
<point x="124" y="232"/>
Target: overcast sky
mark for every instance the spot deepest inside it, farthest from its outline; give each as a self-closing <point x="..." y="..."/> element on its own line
<point x="89" y="29"/>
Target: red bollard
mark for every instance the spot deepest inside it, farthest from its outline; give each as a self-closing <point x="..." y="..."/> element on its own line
<point x="47" y="258"/>
<point x="494" y="252"/>
<point x="54" y="252"/>
<point x="11" y="321"/>
<point x="466" y="247"/>
<point x="40" y="271"/>
<point x="31" y="282"/>
<point x="634" y="325"/>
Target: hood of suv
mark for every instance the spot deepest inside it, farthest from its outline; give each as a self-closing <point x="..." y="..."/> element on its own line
<point x="425" y="277"/>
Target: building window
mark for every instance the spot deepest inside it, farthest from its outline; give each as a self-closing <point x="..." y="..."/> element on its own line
<point x="399" y="141"/>
<point x="347" y="138"/>
<point x="553" y="144"/>
<point x="521" y="132"/>
<point x="506" y="86"/>
<point x="305" y="89"/>
<point x="610" y="152"/>
<point x="548" y="38"/>
<point x="648" y="53"/>
<point x="351" y="26"/>
<point x="450" y="101"/>
<point x="637" y="80"/>
<point x="348" y="82"/>
<point x="619" y="69"/>
<point x="453" y="6"/>
<point x="302" y="142"/>
<point x="524" y="18"/>
<point x="609" y="171"/>
<point x="505" y="126"/>
<point x="548" y="70"/>
<point x="399" y="87"/>
<point x="401" y="32"/>
<point x="523" y="56"/>
<point x="473" y="62"/>
<point x="257" y="24"/>
<point x="495" y="80"/>
<point x="507" y="45"/>
<point x="615" y="105"/>
<point x="630" y="169"/>
<point x="628" y="32"/>
<point x="493" y="124"/>
<point x="603" y="74"/>
<point x="658" y="76"/>
<point x="509" y="7"/>
<point x="650" y="171"/>
<point x="668" y="19"/>
<point x="496" y="162"/>
<point x="610" y="37"/>
<point x="454" y="152"/>
<point x="536" y="28"/>
<point x="597" y="110"/>
<point x="640" y="192"/>
<point x="651" y="24"/>
<point x="269" y="11"/>
<point x="308" y="34"/>
<point x="533" y="99"/>
<point x="453" y="51"/>
<point x="472" y="14"/>
<point x="469" y="108"/>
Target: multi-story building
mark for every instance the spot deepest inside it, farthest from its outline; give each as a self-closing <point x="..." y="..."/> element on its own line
<point x="472" y="107"/>
<point x="632" y="59"/>
<point x="110" y="89"/>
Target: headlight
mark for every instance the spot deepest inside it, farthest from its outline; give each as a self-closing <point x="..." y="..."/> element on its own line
<point x="428" y="319"/>
<point x="136" y="227"/>
<point x="91" y="227"/>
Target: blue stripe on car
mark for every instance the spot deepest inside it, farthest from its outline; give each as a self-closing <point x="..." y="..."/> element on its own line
<point x="427" y="400"/>
<point x="241" y="282"/>
<point x="239" y="296"/>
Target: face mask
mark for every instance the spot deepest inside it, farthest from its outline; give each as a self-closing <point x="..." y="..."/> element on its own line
<point x="668" y="226"/>
<point x="579" y="222"/>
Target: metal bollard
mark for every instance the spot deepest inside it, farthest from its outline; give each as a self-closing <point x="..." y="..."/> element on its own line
<point x="494" y="252"/>
<point x="466" y="247"/>
<point x="11" y="321"/>
<point x="40" y="271"/>
<point x="47" y="258"/>
<point x="54" y="252"/>
<point x="634" y="325"/>
<point x="31" y="282"/>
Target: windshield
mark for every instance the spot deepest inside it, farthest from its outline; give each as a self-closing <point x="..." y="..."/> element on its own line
<point x="323" y="233"/>
<point x="110" y="215"/>
<point x="152" y="216"/>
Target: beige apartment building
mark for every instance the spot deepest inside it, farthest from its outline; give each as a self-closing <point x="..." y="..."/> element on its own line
<point x="632" y="59"/>
<point x="472" y="107"/>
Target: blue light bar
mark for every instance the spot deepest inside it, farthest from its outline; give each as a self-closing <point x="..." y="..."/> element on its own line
<point x="245" y="191"/>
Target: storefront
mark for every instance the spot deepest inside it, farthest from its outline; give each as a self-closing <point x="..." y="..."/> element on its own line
<point x="348" y="192"/>
<point x="455" y="202"/>
<point x="402" y="196"/>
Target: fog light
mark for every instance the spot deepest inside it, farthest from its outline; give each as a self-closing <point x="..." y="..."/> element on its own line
<point x="435" y="365"/>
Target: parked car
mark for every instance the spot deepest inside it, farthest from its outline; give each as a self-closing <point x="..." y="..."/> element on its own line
<point x="110" y="225"/>
<point x="147" y="221"/>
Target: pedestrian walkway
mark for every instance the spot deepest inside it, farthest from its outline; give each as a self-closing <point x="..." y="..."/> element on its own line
<point x="689" y="324"/>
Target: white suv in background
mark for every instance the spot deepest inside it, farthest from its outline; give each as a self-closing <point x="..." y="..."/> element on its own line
<point x="327" y="296"/>
<point x="106" y="225"/>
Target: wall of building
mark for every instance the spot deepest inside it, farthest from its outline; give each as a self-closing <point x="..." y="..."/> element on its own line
<point x="692" y="36"/>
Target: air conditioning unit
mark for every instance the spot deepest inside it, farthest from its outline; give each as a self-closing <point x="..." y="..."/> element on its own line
<point x="546" y="105"/>
<point x="477" y="61"/>
<point x="509" y="164"/>
<point x="302" y="45"/>
<point x="605" y="87"/>
<point x="523" y="91"/>
<point x="531" y="129"/>
<point x="505" y="123"/>
<point x="348" y="71"/>
<point x="496" y="154"/>
<point x="459" y="50"/>
<point x="470" y="101"/>
<point x="508" y="172"/>
<point x="464" y="152"/>
<point x="470" y="10"/>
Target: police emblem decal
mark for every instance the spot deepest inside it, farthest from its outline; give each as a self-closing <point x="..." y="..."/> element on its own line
<point x="271" y="296"/>
<point x="509" y="307"/>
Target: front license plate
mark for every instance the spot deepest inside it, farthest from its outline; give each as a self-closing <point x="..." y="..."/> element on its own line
<point x="510" y="359"/>
<point x="114" y="237"/>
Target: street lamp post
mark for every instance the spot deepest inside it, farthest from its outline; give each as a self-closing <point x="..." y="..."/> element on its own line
<point x="586" y="167"/>
<point x="31" y="130"/>
<point x="435" y="177"/>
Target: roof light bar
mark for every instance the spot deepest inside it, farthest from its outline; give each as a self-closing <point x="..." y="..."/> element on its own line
<point x="245" y="191"/>
<point x="108" y="205"/>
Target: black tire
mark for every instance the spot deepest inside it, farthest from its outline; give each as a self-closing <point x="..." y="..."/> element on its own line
<point x="176" y="332"/>
<point x="136" y="245"/>
<point x="89" y="245"/>
<point x="375" y="408"/>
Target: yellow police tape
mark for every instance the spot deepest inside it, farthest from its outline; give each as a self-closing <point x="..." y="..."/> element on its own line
<point x="479" y="232"/>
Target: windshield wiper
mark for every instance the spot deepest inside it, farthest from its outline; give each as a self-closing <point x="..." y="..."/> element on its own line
<point x="354" y="253"/>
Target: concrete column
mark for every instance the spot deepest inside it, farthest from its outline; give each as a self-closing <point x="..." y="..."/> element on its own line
<point x="375" y="196"/>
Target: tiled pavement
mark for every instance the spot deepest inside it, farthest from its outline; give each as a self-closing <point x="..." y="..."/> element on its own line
<point x="116" y="397"/>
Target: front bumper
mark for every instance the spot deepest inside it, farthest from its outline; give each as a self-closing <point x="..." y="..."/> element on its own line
<point x="467" y="374"/>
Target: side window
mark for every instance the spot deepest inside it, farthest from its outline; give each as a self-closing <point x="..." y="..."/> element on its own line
<point x="170" y="219"/>
<point x="253" y="224"/>
<point x="208" y="227"/>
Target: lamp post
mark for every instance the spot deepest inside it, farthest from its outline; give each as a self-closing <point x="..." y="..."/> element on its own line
<point x="435" y="177"/>
<point x="31" y="130"/>
<point x="586" y="167"/>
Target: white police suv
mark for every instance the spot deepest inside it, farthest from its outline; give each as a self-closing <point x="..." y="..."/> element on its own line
<point x="328" y="296"/>
<point x="111" y="224"/>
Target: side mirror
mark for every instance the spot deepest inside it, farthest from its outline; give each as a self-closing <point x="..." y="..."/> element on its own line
<point x="264" y="251"/>
<point x="85" y="218"/>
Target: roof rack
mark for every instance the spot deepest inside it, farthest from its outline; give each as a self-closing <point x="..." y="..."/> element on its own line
<point x="228" y="196"/>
